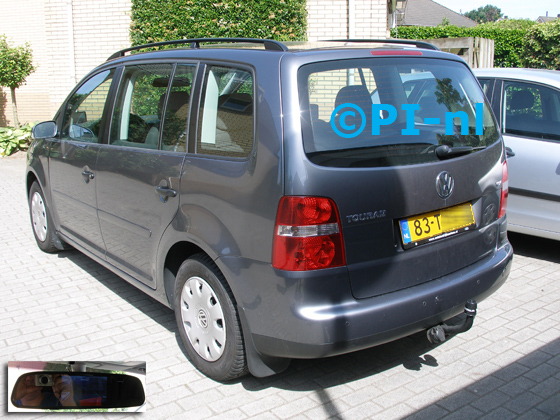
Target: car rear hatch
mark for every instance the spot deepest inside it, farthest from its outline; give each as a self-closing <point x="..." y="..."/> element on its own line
<point x="417" y="187"/>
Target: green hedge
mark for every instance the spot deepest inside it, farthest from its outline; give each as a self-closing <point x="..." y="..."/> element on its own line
<point x="508" y="41"/>
<point x="541" y="46"/>
<point x="162" y="20"/>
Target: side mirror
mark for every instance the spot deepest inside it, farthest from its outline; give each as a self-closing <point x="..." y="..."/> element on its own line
<point x="44" y="130"/>
<point x="77" y="390"/>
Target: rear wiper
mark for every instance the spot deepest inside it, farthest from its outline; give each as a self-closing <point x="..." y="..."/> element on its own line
<point x="445" y="152"/>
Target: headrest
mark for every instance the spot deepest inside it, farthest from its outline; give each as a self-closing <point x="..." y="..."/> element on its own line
<point x="164" y="82"/>
<point x="176" y="100"/>
<point x="357" y="95"/>
<point x="522" y="99"/>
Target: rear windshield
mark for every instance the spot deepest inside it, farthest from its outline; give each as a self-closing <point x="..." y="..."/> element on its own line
<point x="391" y="111"/>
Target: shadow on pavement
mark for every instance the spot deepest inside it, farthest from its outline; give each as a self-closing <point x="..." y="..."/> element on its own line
<point x="528" y="388"/>
<point x="144" y="303"/>
<point x="319" y="374"/>
<point x="535" y="247"/>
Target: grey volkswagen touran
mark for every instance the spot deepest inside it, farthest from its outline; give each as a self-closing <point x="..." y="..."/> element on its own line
<point x="286" y="203"/>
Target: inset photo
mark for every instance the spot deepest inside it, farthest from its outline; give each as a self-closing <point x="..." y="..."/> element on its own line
<point x="97" y="386"/>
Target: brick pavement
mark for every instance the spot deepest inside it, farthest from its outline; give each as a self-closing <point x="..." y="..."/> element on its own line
<point x="67" y="307"/>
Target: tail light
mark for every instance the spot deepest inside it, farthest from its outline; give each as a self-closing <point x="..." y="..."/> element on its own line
<point x="307" y="235"/>
<point x="505" y="190"/>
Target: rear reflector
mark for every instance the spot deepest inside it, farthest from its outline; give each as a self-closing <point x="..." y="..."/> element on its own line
<point x="307" y="235"/>
<point x="505" y="190"/>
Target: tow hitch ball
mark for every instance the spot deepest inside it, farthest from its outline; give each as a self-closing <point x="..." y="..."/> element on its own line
<point x="439" y="333"/>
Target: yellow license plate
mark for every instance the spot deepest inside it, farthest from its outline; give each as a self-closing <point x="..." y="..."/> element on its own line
<point x="436" y="225"/>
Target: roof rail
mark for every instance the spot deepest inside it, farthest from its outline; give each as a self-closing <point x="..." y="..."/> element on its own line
<point x="269" y="44"/>
<point x="418" y="44"/>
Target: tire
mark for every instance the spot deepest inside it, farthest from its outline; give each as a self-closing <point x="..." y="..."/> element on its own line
<point x="207" y="319"/>
<point x="41" y="220"/>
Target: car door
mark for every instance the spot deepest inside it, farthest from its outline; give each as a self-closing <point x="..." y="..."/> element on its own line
<point x="138" y="172"/>
<point x="72" y="162"/>
<point x="530" y="123"/>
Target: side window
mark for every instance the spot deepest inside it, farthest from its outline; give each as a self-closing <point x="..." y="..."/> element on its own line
<point x="82" y="116"/>
<point x="226" y="117"/>
<point x="174" y="131"/>
<point x="485" y="83"/>
<point x="531" y="110"/>
<point x="139" y="107"/>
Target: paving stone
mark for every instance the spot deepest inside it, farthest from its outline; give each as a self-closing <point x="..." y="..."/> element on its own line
<point x="499" y="414"/>
<point x="457" y="400"/>
<point x="466" y="413"/>
<point x="518" y="386"/>
<point x="491" y="401"/>
<point x="534" y="414"/>
<point x="548" y="388"/>
<point x="551" y="406"/>
<point x="523" y="403"/>
<point x="432" y="412"/>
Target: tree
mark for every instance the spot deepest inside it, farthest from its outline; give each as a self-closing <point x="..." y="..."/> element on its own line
<point x="485" y="14"/>
<point x="15" y="65"/>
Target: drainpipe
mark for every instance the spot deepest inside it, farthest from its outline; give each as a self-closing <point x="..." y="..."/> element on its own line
<point x="394" y="23"/>
<point x="70" y="20"/>
<point x="351" y="19"/>
<point x="351" y="35"/>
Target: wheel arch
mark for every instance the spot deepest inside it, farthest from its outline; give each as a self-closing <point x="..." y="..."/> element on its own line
<point x="259" y="365"/>
<point x="175" y="256"/>
<point x="30" y="178"/>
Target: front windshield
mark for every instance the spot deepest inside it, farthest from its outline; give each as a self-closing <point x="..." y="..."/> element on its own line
<point x="390" y="111"/>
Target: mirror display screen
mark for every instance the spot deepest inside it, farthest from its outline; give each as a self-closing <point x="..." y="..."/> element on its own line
<point x="60" y="390"/>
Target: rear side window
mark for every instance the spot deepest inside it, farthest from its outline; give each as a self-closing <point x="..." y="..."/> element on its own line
<point x="390" y="111"/>
<point x="531" y="110"/>
<point x="82" y="116"/>
<point x="226" y="119"/>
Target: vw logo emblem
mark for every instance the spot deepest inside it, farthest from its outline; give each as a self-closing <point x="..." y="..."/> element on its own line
<point x="203" y="318"/>
<point x="444" y="184"/>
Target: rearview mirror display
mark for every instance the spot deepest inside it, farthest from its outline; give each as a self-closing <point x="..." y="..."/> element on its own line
<point x="68" y="390"/>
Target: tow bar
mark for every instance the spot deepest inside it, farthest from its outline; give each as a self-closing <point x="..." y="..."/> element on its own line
<point x="439" y="333"/>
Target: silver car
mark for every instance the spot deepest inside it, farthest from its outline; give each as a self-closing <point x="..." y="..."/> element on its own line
<point x="527" y="105"/>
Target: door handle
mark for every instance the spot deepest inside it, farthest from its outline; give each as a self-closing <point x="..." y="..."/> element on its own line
<point x="165" y="193"/>
<point x="509" y="152"/>
<point x="88" y="176"/>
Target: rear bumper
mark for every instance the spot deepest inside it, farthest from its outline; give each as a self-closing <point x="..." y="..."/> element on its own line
<point x="311" y="319"/>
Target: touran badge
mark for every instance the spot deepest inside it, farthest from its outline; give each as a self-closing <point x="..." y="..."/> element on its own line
<point x="444" y="184"/>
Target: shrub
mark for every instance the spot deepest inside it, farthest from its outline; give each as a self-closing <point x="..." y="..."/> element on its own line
<point x="157" y="20"/>
<point x="508" y="37"/>
<point x="541" y="46"/>
<point x="14" y="139"/>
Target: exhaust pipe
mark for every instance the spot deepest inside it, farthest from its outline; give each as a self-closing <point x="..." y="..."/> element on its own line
<point x="439" y="333"/>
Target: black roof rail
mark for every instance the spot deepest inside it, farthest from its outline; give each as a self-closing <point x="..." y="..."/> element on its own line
<point x="269" y="44"/>
<point x="418" y="44"/>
